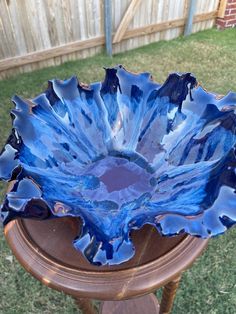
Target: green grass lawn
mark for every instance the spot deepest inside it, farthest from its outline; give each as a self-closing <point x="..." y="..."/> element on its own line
<point x="210" y="285"/>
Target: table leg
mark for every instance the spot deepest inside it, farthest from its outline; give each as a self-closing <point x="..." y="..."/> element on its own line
<point x="85" y="305"/>
<point x="168" y="295"/>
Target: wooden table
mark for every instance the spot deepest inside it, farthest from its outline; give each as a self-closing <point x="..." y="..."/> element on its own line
<point x="44" y="249"/>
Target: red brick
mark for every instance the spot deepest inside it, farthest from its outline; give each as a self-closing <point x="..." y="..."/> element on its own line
<point x="220" y="23"/>
<point x="230" y="17"/>
<point x="220" y="20"/>
<point x="231" y="6"/>
<point x="231" y="23"/>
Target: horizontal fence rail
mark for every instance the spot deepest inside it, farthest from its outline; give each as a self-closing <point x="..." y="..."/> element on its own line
<point x="37" y="34"/>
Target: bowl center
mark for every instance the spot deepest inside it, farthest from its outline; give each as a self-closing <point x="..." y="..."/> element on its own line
<point x="120" y="180"/>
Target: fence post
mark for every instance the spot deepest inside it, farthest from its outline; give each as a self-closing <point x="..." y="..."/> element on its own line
<point x="189" y="23"/>
<point x="108" y="26"/>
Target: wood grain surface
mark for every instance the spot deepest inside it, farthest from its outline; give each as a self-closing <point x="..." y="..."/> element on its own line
<point x="44" y="249"/>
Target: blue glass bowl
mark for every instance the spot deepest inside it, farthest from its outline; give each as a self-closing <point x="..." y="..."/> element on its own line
<point x="120" y="154"/>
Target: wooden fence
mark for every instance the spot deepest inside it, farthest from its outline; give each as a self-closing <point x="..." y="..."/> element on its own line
<point x="41" y="33"/>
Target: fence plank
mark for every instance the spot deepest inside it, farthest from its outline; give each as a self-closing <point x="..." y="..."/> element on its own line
<point x="167" y="25"/>
<point x="129" y="14"/>
<point x="50" y="53"/>
<point x="7" y="27"/>
<point x="222" y="7"/>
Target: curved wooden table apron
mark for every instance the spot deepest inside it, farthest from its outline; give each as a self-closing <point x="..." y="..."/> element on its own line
<point x="44" y="249"/>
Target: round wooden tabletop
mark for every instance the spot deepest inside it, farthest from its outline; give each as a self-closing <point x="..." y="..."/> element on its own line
<point x="44" y="248"/>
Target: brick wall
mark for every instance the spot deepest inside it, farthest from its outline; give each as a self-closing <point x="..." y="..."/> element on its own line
<point x="229" y="19"/>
